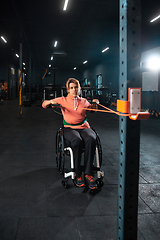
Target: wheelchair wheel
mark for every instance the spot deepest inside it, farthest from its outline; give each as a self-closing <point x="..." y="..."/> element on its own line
<point x="60" y="151"/>
<point x="100" y="183"/>
<point x="65" y="183"/>
<point x="99" y="147"/>
<point x="98" y="154"/>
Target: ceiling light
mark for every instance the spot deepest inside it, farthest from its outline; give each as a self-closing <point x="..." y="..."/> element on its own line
<point x="4" y="40"/>
<point x="65" y="5"/>
<point x="154" y="19"/>
<point x="74" y="68"/>
<point x="24" y="68"/>
<point x="24" y="64"/>
<point x="85" y="62"/>
<point x="17" y="55"/>
<point x="49" y="65"/>
<point x="51" y="58"/>
<point x="105" y="49"/>
<point x="55" y="44"/>
<point x="59" y="54"/>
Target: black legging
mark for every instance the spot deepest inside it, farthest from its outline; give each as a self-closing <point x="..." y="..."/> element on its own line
<point x="79" y="138"/>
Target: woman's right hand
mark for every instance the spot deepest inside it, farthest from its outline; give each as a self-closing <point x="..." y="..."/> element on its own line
<point x="53" y="102"/>
<point x="48" y="103"/>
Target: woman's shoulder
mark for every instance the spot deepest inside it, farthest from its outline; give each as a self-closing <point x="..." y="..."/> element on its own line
<point x="60" y="98"/>
<point x="84" y="101"/>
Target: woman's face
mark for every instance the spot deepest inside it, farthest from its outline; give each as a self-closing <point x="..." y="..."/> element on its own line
<point x="73" y="89"/>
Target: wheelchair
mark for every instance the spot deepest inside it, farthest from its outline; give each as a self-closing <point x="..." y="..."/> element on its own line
<point x="63" y="149"/>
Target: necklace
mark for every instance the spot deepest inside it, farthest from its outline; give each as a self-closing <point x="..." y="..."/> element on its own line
<point x="75" y="104"/>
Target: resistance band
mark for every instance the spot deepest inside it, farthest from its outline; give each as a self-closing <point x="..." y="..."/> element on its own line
<point x="101" y="110"/>
<point x="111" y="111"/>
<point x="20" y="93"/>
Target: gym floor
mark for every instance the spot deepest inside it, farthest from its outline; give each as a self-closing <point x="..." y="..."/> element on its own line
<point x="33" y="203"/>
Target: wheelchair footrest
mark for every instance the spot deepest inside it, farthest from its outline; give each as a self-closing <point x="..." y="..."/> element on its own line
<point x="100" y="174"/>
<point x="69" y="174"/>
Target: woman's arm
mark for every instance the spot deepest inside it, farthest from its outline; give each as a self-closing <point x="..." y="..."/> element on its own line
<point x="46" y="103"/>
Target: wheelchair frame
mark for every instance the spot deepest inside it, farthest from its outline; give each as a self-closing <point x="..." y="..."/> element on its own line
<point x="63" y="148"/>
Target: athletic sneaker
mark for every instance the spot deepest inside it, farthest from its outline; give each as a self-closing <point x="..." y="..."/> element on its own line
<point x="90" y="181"/>
<point x="79" y="182"/>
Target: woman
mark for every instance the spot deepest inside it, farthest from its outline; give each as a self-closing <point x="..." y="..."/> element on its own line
<point x="77" y="130"/>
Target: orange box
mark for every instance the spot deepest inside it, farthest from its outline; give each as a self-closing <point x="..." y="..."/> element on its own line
<point x="123" y="106"/>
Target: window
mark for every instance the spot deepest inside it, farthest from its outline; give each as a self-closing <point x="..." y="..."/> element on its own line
<point x="99" y="83"/>
<point x="85" y="81"/>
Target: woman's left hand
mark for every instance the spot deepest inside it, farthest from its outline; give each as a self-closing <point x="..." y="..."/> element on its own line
<point x="95" y="100"/>
<point x="94" y="103"/>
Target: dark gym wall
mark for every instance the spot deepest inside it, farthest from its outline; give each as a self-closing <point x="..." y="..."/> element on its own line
<point x="57" y="76"/>
<point x="109" y="71"/>
<point x="110" y="75"/>
<point x="4" y="72"/>
<point x="9" y="73"/>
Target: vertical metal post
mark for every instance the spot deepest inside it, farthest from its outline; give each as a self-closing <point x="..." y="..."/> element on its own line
<point x="44" y="95"/>
<point x="129" y="130"/>
<point x="20" y="57"/>
<point x="9" y="82"/>
<point x="20" y="80"/>
<point x="30" y="79"/>
<point x="54" y="79"/>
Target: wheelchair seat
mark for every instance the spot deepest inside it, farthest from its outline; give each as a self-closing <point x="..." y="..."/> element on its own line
<point x="63" y="149"/>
